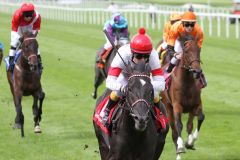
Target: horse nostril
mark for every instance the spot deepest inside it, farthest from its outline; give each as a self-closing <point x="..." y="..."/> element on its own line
<point x="136" y="117"/>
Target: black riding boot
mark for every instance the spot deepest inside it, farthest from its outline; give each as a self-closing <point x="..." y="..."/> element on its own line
<point x="109" y="106"/>
<point x="170" y="67"/>
<point x="11" y="63"/>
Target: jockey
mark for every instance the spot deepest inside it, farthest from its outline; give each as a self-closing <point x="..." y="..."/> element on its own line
<point x="24" y="19"/>
<point x="116" y="26"/>
<point x="140" y="49"/>
<point x="187" y="25"/>
<point x="174" y="17"/>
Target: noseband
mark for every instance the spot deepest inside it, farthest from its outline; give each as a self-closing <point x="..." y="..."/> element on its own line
<point x="131" y="106"/>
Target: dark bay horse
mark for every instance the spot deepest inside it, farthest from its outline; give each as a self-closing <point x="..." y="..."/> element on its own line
<point x="25" y="81"/>
<point x="101" y="74"/>
<point x="134" y="135"/>
<point x="184" y="95"/>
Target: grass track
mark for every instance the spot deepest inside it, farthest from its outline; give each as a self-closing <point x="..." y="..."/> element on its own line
<point x="68" y="52"/>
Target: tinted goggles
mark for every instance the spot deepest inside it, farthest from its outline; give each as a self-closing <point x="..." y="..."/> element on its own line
<point x="189" y="24"/>
<point x="141" y="56"/>
<point x="28" y="14"/>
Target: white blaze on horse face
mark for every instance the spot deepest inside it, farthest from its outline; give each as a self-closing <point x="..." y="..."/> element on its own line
<point x="142" y="82"/>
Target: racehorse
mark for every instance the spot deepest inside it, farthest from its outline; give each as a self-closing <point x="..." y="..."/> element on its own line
<point x="133" y="133"/>
<point x="184" y="95"/>
<point x="25" y="81"/>
<point x="101" y="73"/>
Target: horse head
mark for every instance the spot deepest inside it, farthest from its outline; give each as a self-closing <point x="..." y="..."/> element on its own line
<point x="30" y="50"/>
<point x="191" y="55"/>
<point x="139" y="94"/>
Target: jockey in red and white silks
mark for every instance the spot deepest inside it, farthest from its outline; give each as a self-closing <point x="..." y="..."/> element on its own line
<point x="25" y="19"/>
<point x="116" y="81"/>
<point x="140" y="49"/>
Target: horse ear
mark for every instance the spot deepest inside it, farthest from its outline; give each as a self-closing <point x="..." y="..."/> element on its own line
<point x="147" y="69"/>
<point x="128" y="70"/>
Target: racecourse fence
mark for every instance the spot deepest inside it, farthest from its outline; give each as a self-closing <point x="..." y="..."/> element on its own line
<point x="212" y="23"/>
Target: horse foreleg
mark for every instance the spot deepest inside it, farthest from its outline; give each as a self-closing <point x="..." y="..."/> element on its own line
<point x="179" y="126"/>
<point x="41" y="98"/>
<point x="190" y="141"/>
<point x="35" y="114"/>
<point x="1" y="56"/>
<point x="19" y="120"/>
<point x="99" y="78"/>
<point x="201" y="118"/>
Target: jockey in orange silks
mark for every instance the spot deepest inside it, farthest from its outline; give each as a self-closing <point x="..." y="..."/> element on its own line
<point x="187" y="25"/>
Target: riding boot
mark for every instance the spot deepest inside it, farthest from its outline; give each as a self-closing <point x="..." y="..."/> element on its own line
<point x="170" y="67"/>
<point x="111" y="103"/>
<point x="163" y="116"/>
<point x="11" y="63"/>
<point x="172" y="64"/>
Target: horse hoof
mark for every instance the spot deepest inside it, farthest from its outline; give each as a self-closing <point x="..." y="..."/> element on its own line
<point x="94" y="95"/>
<point x="189" y="146"/>
<point x="37" y="129"/>
<point x="17" y="126"/>
<point x="178" y="157"/>
<point x="181" y="150"/>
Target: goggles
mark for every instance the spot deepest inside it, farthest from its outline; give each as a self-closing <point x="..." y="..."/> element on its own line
<point x="141" y="56"/>
<point x="188" y="24"/>
<point x="28" y="14"/>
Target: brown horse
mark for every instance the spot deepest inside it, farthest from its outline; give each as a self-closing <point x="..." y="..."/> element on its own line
<point x="25" y="81"/>
<point x="101" y="73"/>
<point x="184" y="95"/>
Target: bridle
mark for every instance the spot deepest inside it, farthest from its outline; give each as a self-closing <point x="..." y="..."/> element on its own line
<point x="189" y="68"/>
<point x="140" y="100"/>
<point x="27" y="58"/>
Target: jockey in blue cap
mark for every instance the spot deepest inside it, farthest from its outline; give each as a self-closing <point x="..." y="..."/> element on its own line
<point x="117" y="26"/>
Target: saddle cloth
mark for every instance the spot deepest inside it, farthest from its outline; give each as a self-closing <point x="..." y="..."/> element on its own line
<point x="161" y="120"/>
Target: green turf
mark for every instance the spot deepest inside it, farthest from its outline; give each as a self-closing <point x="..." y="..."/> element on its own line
<point x="68" y="52"/>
